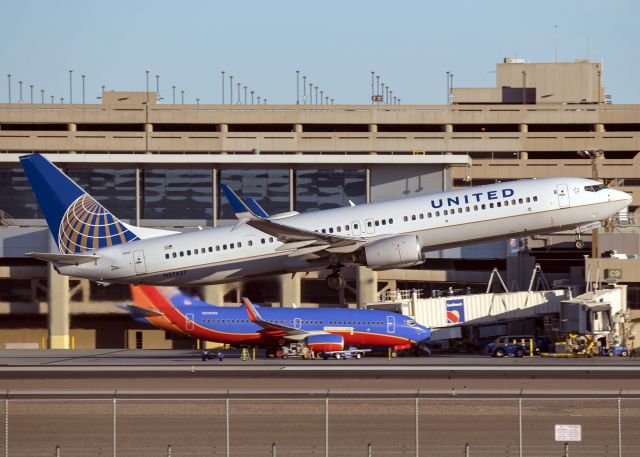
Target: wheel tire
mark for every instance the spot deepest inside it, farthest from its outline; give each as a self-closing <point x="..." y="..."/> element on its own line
<point x="358" y="356"/>
<point x="338" y="356"/>
<point x="579" y="244"/>
<point x="519" y="353"/>
<point x="624" y="353"/>
<point x="394" y="354"/>
<point x="500" y="352"/>
<point x="334" y="281"/>
<point x="610" y="354"/>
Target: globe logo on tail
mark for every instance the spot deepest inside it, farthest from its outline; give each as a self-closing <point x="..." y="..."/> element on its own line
<point x="87" y="225"/>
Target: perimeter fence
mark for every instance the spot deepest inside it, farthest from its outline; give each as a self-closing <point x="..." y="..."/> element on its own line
<point x="318" y="423"/>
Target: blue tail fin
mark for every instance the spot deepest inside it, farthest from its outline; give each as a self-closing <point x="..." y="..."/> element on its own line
<point x="77" y="222"/>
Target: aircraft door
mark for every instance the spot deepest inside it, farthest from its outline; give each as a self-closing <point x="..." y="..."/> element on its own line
<point x="139" y="262"/>
<point x="368" y="226"/>
<point x="355" y="228"/>
<point x="562" y="191"/>
<point x="391" y="324"/>
<point x="189" y="323"/>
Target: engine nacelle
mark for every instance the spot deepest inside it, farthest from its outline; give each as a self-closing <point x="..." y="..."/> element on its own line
<point x="328" y="342"/>
<point x="397" y="252"/>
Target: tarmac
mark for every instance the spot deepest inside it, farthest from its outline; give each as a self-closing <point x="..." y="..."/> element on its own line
<point x="167" y="402"/>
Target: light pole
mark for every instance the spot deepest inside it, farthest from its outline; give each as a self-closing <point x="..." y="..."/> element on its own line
<point x="83" y="76"/>
<point x="31" y="93"/>
<point x="70" y="87"/>
<point x="62" y="100"/>
<point x="297" y="87"/>
<point x="42" y="96"/>
<point x="245" y="95"/>
<point x="377" y="84"/>
<point x="182" y="97"/>
<point x="304" y="90"/>
<point x="147" y="73"/>
<point x="252" y="97"/>
<point x="317" y="96"/>
<point x="238" y="102"/>
<point x="222" y="79"/>
<point x="524" y="86"/>
<point x="20" y="85"/>
<point x="450" y="88"/>
<point x="9" y="83"/>
<point x="311" y="93"/>
<point x="448" y="91"/>
<point x="383" y="101"/>
<point x="173" y="92"/>
<point x="102" y="90"/>
<point x="52" y="99"/>
<point x="157" y="87"/>
<point x="373" y="73"/>
<point x="197" y="102"/>
<point x="390" y="97"/>
<point x="258" y="99"/>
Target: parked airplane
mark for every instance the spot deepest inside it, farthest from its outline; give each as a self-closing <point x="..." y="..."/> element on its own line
<point x="94" y="244"/>
<point x="319" y="329"/>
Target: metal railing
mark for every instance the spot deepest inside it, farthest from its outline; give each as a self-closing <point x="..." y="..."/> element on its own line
<point x="317" y="423"/>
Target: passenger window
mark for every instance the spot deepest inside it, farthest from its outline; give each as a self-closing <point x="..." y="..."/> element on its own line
<point x="429" y="215"/>
<point x="330" y="229"/>
<point x="535" y="198"/>
<point x="188" y="251"/>
<point x="499" y="204"/>
<point x="217" y="248"/>
<point x="506" y="203"/>
<point x="338" y="229"/>
<point x="475" y="207"/>
<point x="413" y="217"/>
<point x="232" y="245"/>
<point x="355" y="226"/>
<point x="445" y="212"/>
<point x="491" y="205"/>
<point x="528" y="200"/>
<point x="195" y="251"/>
<point x="437" y="213"/>
<point x="346" y="227"/>
<point x="520" y="201"/>
<point x="263" y="240"/>
<point x="459" y="210"/>
<point x="406" y="218"/>
<point x="513" y="202"/>
<point x="239" y="244"/>
<point x="421" y="216"/>
<point x="210" y="249"/>
<point x="166" y="256"/>
<point x="377" y="223"/>
<point x="384" y="222"/>
<point x="324" y="231"/>
<point x="391" y="221"/>
<point x="270" y="239"/>
<point x="369" y="224"/>
<point x="175" y="255"/>
<point x="250" y="243"/>
<point x="224" y="247"/>
<point x="467" y="209"/>
<point x="483" y="206"/>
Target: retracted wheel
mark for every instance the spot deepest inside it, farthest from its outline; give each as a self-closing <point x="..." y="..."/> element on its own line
<point x="334" y="281"/>
<point x="579" y="244"/>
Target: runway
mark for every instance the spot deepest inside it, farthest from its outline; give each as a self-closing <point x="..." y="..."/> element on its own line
<point x="145" y="403"/>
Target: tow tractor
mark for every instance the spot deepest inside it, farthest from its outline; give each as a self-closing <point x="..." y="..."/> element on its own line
<point x="300" y="350"/>
<point x="351" y="353"/>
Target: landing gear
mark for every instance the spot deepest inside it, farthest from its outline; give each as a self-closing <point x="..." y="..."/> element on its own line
<point x="335" y="281"/>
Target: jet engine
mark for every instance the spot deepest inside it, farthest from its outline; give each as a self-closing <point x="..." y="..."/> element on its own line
<point x="396" y="252"/>
<point x="325" y="342"/>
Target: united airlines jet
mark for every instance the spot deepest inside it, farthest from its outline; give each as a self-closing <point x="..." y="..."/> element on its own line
<point x="95" y="244"/>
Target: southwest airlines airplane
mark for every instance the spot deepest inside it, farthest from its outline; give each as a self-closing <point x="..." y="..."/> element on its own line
<point x="95" y="244"/>
<point x="319" y="329"/>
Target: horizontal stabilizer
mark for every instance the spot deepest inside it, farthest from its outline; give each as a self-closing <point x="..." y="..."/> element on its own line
<point x="139" y="311"/>
<point x="70" y="259"/>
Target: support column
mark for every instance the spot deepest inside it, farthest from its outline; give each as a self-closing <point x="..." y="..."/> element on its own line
<point x="297" y="128"/>
<point x="213" y="294"/>
<point x="58" y="316"/>
<point x="524" y="128"/>
<point x="599" y="128"/>
<point x="223" y="128"/>
<point x="367" y="284"/>
<point x="448" y="128"/>
<point x="373" y="128"/>
<point x="290" y="290"/>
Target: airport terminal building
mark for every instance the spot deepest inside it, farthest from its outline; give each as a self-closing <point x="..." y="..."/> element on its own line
<point x="160" y="165"/>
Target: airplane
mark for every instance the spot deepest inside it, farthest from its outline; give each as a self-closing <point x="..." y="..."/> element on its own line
<point x="95" y="244"/>
<point x="319" y="329"/>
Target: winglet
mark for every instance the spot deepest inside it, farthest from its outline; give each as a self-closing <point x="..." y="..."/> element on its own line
<point x="256" y="208"/>
<point x="240" y="208"/>
<point x="254" y="316"/>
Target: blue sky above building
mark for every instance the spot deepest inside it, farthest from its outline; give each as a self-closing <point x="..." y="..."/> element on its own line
<point x="411" y="44"/>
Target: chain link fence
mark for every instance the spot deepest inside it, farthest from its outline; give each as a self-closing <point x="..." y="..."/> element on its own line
<point x="317" y="423"/>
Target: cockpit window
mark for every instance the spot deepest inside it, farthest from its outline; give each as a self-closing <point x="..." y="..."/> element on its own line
<point x="410" y="322"/>
<point x="595" y="188"/>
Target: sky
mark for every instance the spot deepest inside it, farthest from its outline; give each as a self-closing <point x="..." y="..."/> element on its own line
<point x="410" y="44"/>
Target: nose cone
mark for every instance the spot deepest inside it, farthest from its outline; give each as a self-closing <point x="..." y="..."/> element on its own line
<point x="624" y="199"/>
<point x="424" y="333"/>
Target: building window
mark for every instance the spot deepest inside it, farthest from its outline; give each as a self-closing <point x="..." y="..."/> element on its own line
<point x="176" y="194"/>
<point x="328" y="188"/>
<point x="270" y="188"/>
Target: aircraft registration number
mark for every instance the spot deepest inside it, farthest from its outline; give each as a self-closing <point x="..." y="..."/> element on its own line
<point x="173" y="274"/>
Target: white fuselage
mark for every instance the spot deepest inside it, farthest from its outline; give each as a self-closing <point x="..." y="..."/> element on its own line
<point x="475" y="214"/>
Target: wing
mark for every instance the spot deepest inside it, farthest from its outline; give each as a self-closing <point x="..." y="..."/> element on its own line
<point x="293" y="237"/>
<point x="274" y="329"/>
